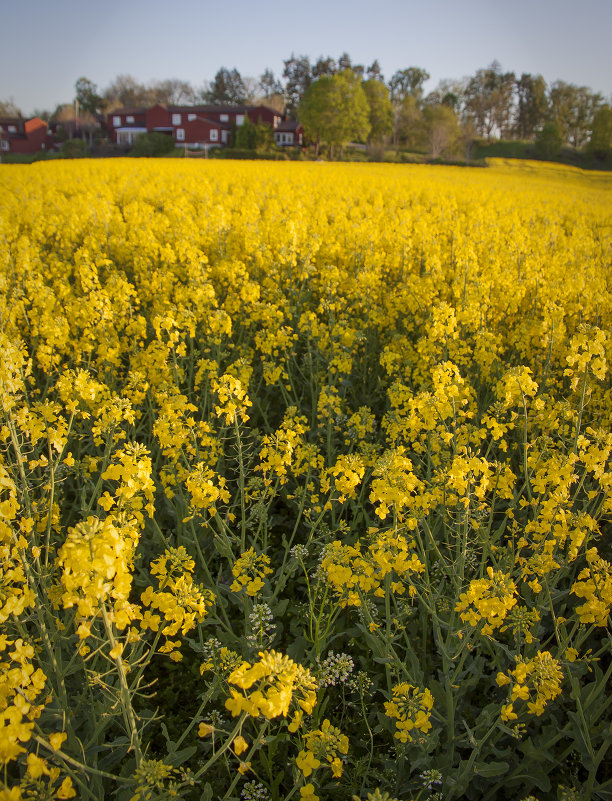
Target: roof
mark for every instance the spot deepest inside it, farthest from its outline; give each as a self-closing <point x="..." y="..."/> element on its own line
<point x="219" y="109"/>
<point x="288" y="125"/>
<point x="128" y="111"/>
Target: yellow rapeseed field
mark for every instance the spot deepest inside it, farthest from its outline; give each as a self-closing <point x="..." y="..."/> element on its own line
<point x="305" y="481"/>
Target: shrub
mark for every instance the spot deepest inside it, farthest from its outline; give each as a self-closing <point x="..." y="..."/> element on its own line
<point x="74" y="148"/>
<point x="548" y="141"/>
<point x="152" y="144"/>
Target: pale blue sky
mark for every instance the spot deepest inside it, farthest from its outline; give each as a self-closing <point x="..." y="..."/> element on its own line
<point x="46" y="45"/>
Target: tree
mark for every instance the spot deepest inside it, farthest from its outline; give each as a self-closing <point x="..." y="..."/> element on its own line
<point x="335" y="110"/>
<point x="441" y="130"/>
<point x="227" y="88"/>
<point x="269" y="86"/>
<point x="374" y="72"/>
<point x="86" y="95"/>
<point x="600" y="143"/>
<point x="407" y="82"/>
<point x="532" y="105"/>
<point x="298" y="77"/>
<point x="573" y="109"/>
<point x="489" y="97"/>
<point x="172" y="91"/>
<point x="549" y="140"/>
<point x="408" y="122"/>
<point x="9" y="109"/>
<point x="352" y="119"/>
<point x="316" y="110"/>
<point x="252" y="136"/>
<point x="324" y="66"/>
<point x="126" y="92"/>
<point x="251" y="90"/>
<point x="380" y="109"/>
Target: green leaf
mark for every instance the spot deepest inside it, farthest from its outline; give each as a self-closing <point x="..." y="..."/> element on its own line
<point x="490" y="769"/>
<point x="207" y="792"/>
<point x="176" y="758"/>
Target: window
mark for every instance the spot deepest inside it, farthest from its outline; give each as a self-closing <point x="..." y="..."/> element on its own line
<point x="176" y="119"/>
<point x="224" y="117"/>
<point x="191" y="117"/>
<point x="116" y="121"/>
<point x="180" y="134"/>
<point x="214" y="134"/>
<point x="12" y="129"/>
<point x="276" y="121"/>
<point x="129" y="118"/>
<point x="4" y="145"/>
<point x="239" y="119"/>
<point x="224" y="136"/>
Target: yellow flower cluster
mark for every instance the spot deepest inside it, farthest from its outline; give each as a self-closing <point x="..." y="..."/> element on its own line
<point x="96" y="561"/>
<point x="180" y="602"/>
<point x="488" y="599"/>
<point x="250" y="571"/>
<point x="536" y="681"/>
<point x="323" y="746"/>
<point x="594" y="584"/>
<point x="281" y="685"/>
<point x="354" y="571"/>
<point x="233" y="400"/>
<point x="411" y="709"/>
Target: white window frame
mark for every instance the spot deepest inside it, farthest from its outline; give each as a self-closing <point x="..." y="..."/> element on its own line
<point x="12" y="129"/>
<point x="239" y="119"/>
<point x="224" y="136"/>
<point x="214" y="135"/>
<point x="116" y="121"/>
<point x="191" y="117"/>
<point x="180" y="134"/>
<point x="223" y="117"/>
<point x="176" y="119"/>
<point x="4" y="145"/>
<point x="129" y="118"/>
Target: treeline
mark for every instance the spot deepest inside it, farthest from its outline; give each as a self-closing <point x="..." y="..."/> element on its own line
<point x="338" y="101"/>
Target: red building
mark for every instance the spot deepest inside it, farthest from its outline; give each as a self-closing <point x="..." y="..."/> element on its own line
<point x="24" y="136"/>
<point x="289" y="134"/>
<point x="196" y="126"/>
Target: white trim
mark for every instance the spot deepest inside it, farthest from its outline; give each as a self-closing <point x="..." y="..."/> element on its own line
<point x="180" y="134"/>
<point x="176" y="119"/>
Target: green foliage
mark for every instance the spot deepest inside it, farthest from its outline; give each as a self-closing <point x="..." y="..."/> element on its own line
<point x="152" y="145"/>
<point x="226" y="88"/>
<point x="74" y="148"/>
<point x="335" y="110"/>
<point x="87" y="95"/>
<point x="600" y="144"/>
<point x="251" y="136"/>
<point x="381" y="110"/>
<point x="548" y="141"/>
<point x="440" y="130"/>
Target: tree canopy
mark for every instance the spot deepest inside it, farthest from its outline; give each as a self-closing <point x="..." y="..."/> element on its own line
<point x="335" y="110"/>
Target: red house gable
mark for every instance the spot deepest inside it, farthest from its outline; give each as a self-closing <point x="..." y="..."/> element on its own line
<point x="23" y="136"/>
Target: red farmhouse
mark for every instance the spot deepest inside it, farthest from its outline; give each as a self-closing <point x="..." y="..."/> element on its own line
<point x="23" y="136"/>
<point x="196" y="126"/>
